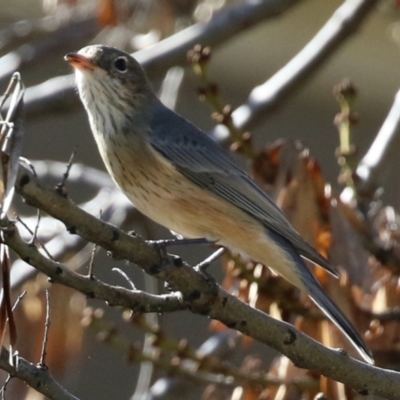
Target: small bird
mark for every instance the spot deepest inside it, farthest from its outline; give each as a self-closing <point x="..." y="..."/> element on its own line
<point x="179" y="177"/>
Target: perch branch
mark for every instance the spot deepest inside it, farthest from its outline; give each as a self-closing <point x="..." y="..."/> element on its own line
<point x="204" y="296"/>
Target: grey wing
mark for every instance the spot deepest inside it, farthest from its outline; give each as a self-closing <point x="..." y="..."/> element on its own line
<point x="201" y="160"/>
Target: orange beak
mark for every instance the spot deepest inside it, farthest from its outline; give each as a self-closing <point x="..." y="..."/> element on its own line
<point x="79" y="62"/>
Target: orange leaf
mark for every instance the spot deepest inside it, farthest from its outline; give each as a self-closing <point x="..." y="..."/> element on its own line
<point x="107" y="13"/>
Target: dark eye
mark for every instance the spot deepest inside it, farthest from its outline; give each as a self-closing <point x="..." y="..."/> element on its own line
<point x="121" y="64"/>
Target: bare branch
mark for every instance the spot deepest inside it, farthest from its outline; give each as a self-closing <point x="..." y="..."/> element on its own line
<point x="4" y="388"/>
<point x="116" y="209"/>
<point x="74" y="30"/>
<point x="57" y="93"/>
<point x="81" y="173"/>
<point x="223" y="26"/>
<point x="34" y="240"/>
<point x="42" y="362"/>
<point x="61" y="186"/>
<point x="209" y="260"/>
<point x="373" y="164"/>
<point x="264" y="98"/>
<point x="303" y="351"/>
<point x="125" y="276"/>
<point x="38" y="378"/>
<point x="92" y="229"/>
<point x="187" y="364"/>
<point x="11" y="135"/>
<point x="203" y="296"/>
<point x="137" y="300"/>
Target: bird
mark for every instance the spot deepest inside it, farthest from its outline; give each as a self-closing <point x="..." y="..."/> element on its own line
<point x="176" y="175"/>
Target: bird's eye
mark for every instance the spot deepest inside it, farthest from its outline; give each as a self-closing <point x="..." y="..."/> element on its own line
<point x="121" y="64"/>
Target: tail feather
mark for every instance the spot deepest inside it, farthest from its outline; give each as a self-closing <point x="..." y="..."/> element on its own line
<point x="322" y="300"/>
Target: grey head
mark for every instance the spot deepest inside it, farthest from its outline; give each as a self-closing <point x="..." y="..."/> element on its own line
<point x="108" y="75"/>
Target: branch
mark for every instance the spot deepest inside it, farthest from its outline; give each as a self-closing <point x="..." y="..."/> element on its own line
<point x="203" y="296"/>
<point x="27" y="31"/>
<point x="115" y="207"/>
<point x="303" y="351"/>
<point x="372" y="165"/>
<point x="136" y="300"/>
<point x="187" y="365"/>
<point x="38" y="378"/>
<point x="264" y="98"/>
<point x="72" y="32"/>
<point x="58" y="93"/>
<point x="224" y="25"/>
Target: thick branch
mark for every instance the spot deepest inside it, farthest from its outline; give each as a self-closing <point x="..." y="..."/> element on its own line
<point x="38" y="378"/>
<point x="203" y="296"/>
<point x="303" y="351"/>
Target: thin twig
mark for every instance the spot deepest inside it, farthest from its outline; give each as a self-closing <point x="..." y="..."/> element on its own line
<point x="116" y="209"/>
<point x="7" y="316"/>
<point x="80" y="174"/>
<point x="3" y="389"/>
<point x="389" y="315"/>
<point x="123" y="274"/>
<point x="94" y="250"/>
<point x="61" y="186"/>
<point x="42" y="362"/>
<point x="11" y="135"/>
<point x="373" y="165"/>
<point x="8" y="91"/>
<point x="33" y="233"/>
<point x="91" y="262"/>
<point x="189" y="365"/>
<point x="209" y="260"/>
<point x="16" y="78"/>
<point x="19" y="298"/>
<point x="93" y="288"/>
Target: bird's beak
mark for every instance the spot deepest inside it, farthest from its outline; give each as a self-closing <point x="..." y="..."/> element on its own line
<point x="79" y="61"/>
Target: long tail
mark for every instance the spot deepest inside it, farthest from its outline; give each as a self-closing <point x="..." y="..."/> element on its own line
<point x="322" y="300"/>
<point x="320" y="297"/>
